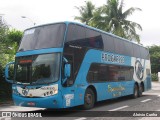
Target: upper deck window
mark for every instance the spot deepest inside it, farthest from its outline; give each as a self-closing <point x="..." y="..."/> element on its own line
<point x="82" y="36"/>
<point x="47" y="36"/>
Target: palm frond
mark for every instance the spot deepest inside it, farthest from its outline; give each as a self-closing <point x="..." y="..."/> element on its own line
<point x="130" y="11"/>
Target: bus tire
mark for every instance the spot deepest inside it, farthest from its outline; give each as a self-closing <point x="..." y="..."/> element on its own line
<point x="136" y="91"/>
<point x="89" y="99"/>
<point x="140" y="90"/>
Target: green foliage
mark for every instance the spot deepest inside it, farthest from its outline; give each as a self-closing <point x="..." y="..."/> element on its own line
<point x="111" y="18"/>
<point x="3" y="37"/>
<point x="3" y="32"/>
<point x="86" y="12"/>
<point x="155" y="58"/>
<point x="9" y="40"/>
<point x="9" y="46"/>
<point x="14" y="36"/>
<point x="154" y="77"/>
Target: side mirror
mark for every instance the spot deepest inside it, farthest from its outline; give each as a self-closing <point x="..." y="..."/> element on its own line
<point x="67" y="70"/>
<point x="7" y="72"/>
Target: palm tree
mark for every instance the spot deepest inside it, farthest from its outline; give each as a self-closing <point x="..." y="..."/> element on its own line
<point x="86" y="12"/>
<point x="111" y="18"/>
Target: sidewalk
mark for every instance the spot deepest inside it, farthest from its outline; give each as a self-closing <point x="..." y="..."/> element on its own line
<point x="155" y="85"/>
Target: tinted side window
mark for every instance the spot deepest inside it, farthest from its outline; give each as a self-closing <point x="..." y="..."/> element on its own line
<point x="120" y="73"/>
<point x="136" y="51"/>
<point x="70" y="33"/>
<point x="144" y="53"/>
<point x="128" y="48"/>
<point x="93" y="39"/>
<point x="97" y="73"/>
<point x="81" y="36"/>
<point x="75" y="33"/>
<point x="119" y="46"/>
<point x="108" y="43"/>
<point x="112" y="73"/>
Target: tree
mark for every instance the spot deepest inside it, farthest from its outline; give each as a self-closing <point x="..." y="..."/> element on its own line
<point x="111" y="18"/>
<point x="14" y="36"/>
<point x="9" y="40"/>
<point x="86" y="12"/>
<point x="114" y="20"/>
<point x="9" y="45"/>
<point x="3" y="36"/>
<point x="155" y="58"/>
<point x="4" y="89"/>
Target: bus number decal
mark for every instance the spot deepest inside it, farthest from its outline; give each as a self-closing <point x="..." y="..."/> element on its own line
<point x="113" y="58"/>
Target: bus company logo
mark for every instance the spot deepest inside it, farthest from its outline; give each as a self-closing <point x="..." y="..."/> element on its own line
<point x="25" y="91"/>
<point x="139" y="70"/>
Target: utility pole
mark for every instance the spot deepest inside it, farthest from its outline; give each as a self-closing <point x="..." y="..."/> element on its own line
<point x="29" y="20"/>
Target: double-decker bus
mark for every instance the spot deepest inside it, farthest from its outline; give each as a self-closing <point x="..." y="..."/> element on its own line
<point x="68" y="64"/>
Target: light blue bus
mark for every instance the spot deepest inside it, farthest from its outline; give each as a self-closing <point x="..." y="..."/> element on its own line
<point x="68" y="64"/>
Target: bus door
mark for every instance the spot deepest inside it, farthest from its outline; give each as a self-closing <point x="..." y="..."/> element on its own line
<point x="68" y="85"/>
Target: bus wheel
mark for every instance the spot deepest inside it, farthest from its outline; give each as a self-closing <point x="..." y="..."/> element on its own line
<point x="89" y="99"/>
<point x="140" y="90"/>
<point x="135" y="94"/>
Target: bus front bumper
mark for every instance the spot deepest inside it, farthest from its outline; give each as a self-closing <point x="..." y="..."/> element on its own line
<point x="45" y="102"/>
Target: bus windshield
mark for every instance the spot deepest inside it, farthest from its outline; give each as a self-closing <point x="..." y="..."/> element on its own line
<point x="37" y="69"/>
<point x="47" y="36"/>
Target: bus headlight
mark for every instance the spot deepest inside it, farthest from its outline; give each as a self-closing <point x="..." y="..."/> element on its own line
<point x="51" y="91"/>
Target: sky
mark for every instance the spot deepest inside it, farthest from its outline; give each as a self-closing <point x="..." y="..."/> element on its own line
<point x="50" y="11"/>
